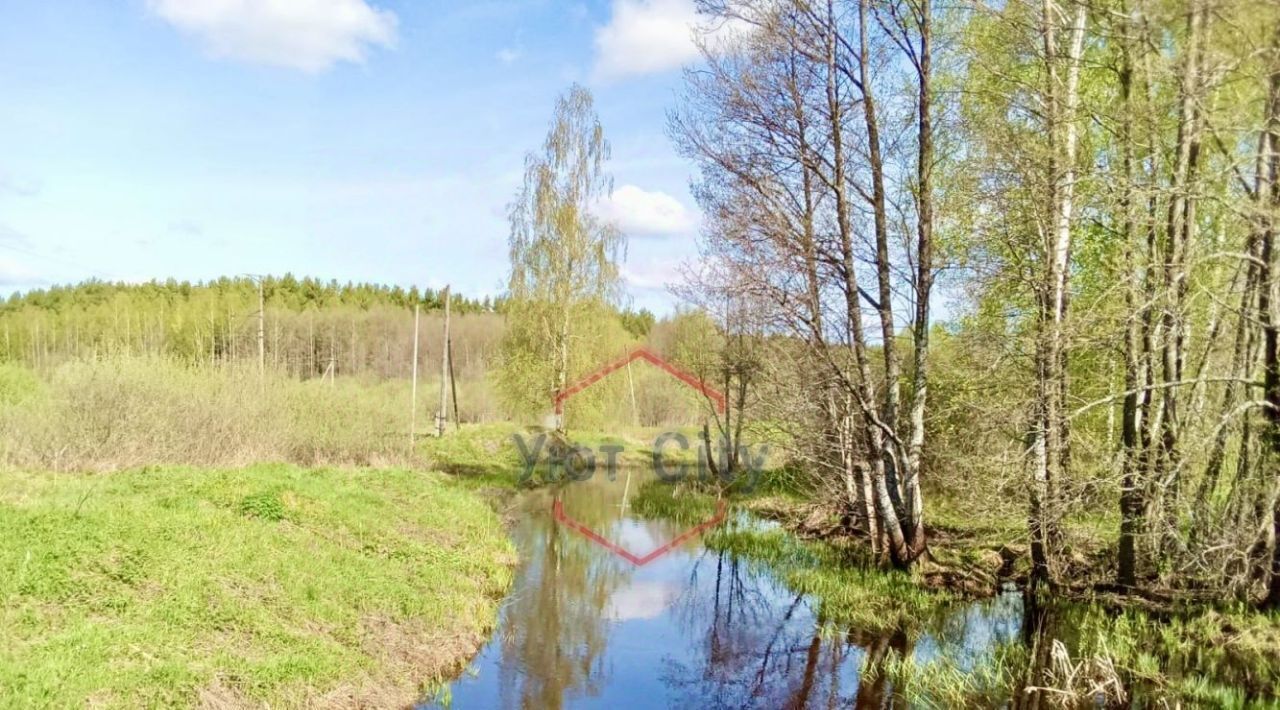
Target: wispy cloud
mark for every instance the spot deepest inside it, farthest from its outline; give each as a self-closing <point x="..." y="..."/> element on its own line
<point x="12" y="237"/>
<point x="309" y="35"/>
<point x="508" y="55"/>
<point x="186" y="228"/>
<point x="17" y="275"/>
<point x="641" y="600"/>
<point x="14" y="185"/>
<point x="645" y="213"/>
<point x="654" y="275"/>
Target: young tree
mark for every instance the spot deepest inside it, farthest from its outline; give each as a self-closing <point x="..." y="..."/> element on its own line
<point x="564" y="259"/>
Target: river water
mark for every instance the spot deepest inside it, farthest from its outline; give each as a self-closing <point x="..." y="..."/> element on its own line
<point x="582" y="627"/>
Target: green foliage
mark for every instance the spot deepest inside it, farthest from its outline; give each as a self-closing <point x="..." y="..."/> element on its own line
<point x="941" y="683"/>
<point x="1203" y="655"/>
<point x="264" y="506"/>
<point x="153" y="587"/>
<point x="694" y="341"/>
<point x="287" y="291"/>
<point x="564" y="265"/>
<point x="561" y="253"/>
<point x="310" y="326"/>
<point x="122" y="412"/>
<point x="638" y="323"/>
<point x="526" y="379"/>
<point x="482" y="452"/>
<point x="658" y="500"/>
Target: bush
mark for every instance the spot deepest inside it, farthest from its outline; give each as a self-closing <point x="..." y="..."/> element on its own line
<point x="17" y="384"/>
<point x="124" y="412"/>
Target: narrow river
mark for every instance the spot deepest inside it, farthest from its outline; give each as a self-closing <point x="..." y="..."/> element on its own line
<point x="583" y="627"/>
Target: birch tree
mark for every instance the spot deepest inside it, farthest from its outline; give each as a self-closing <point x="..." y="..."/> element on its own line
<point x="564" y="259"/>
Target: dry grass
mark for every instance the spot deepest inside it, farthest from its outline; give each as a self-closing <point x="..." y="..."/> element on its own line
<point x="124" y="412"/>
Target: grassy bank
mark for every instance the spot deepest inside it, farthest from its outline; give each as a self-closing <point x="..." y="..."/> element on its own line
<point x="850" y="588"/>
<point x="1082" y="649"/>
<point x="496" y="454"/>
<point x="269" y="585"/>
<point x="849" y="592"/>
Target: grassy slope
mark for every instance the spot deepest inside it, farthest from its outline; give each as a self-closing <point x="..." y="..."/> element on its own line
<point x="270" y="584"/>
<point x="487" y="455"/>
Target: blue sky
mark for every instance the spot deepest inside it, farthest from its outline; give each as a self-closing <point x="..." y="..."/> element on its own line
<point x="373" y="140"/>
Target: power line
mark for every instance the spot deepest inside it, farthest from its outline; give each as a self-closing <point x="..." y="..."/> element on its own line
<point x="59" y="260"/>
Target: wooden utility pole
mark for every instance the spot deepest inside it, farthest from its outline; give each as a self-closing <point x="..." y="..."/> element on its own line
<point x="333" y="356"/>
<point x="635" y="410"/>
<point x="442" y="414"/>
<point x="262" y="330"/>
<point x="413" y="405"/>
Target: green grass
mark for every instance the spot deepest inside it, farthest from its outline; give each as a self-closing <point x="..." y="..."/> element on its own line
<point x="851" y="591"/>
<point x="477" y="453"/>
<point x="940" y="683"/>
<point x="682" y="503"/>
<point x="487" y="454"/>
<point x="269" y="585"/>
<point x="17" y="384"/>
<point x="1203" y="655"/>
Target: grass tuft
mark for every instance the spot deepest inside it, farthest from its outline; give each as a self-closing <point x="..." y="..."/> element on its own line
<point x="264" y="506"/>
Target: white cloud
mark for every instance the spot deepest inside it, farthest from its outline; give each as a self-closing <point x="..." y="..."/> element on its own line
<point x="641" y="600"/>
<point x="310" y="35"/>
<point x="652" y="275"/>
<point x="642" y="213"/>
<point x="507" y="55"/>
<point x="651" y="36"/>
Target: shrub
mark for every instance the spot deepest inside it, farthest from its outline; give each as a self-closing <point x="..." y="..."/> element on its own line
<point x="124" y="411"/>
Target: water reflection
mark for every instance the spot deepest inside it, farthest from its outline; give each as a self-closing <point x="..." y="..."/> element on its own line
<point x="584" y="628"/>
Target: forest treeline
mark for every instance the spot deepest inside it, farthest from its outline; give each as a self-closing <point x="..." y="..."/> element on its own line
<point x="310" y="327"/>
<point x="313" y="329"/>
<point x="362" y="328"/>
<point x="1088" y="189"/>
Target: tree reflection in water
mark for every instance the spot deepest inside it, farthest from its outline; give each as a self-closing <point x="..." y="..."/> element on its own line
<point x="758" y="652"/>
<point x="555" y="625"/>
<point x="695" y="628"/>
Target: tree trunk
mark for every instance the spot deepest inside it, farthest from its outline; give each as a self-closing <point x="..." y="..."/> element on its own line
<point x="1050" y="428"/>
<point x="1131" y="500"/>
<point x="924" y="286"/>
<point x="1269" y="311"/>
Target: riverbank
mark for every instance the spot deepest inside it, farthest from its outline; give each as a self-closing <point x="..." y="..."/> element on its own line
<point x="268" y="585"/>
<point x="1076" y="646"/>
